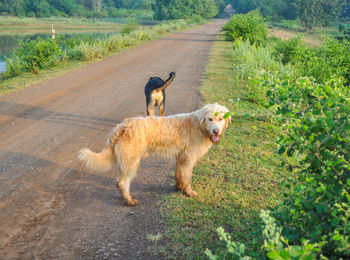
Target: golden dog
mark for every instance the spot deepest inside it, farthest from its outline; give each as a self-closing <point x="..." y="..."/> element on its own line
<point x="187" y="137"/>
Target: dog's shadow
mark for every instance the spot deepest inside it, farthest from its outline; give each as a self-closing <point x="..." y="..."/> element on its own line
<point x="20" y="169"/>
<point x="40" y="114"/>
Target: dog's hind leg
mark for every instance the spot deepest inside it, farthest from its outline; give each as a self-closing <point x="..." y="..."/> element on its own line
<point x="150" y="109"/>
<point x="183" y="173"/>
<point x="161" y="109"/>
<point x="126" y="175"/>
<point x="162" y="104"/>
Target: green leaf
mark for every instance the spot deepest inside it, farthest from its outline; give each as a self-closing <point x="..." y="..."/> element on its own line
<point x="335" y="222"/>
<point x="241" y="248"/>
<point x="273" y="255"/>
<point x="281" y="150"/>
<point x="294" y="251"/>
<point x="308" y="257"/>
<point x="305" y="128"/>
<point x="290" y="151"/>
<point x="227" y="115"/>
<point x="285" y="254"/>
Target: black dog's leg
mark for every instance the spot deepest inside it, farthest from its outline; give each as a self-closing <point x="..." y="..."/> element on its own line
<point x="162" y="104"/>
<point x="150" y="108"/>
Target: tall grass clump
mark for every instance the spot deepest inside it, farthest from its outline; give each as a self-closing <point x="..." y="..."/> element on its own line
<point x="132" y="36"/>
<point x="250" y="26"/>
<point x="132" y="25"/>
<point x="251" y="61"/>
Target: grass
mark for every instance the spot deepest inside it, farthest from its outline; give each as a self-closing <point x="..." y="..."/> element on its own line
<point x="238" y="177"/>
<point x="18" y="25"/>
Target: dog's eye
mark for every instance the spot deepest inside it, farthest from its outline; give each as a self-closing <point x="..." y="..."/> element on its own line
<point x="210" y="119"/>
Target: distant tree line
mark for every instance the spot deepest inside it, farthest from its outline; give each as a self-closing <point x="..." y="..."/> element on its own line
<point x="310" y="12"/>
<point x="45" y="8"/>
<point x="175" y="9"/>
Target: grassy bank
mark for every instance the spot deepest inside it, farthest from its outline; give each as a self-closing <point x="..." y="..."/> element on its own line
<point x="237" y="179"/>
<point x="20" y="74"/>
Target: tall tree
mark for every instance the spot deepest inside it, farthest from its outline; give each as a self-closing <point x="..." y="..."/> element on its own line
<point x="12" y="7"/>
<point x="318" y="12"/>
<point x="179" y="9"/>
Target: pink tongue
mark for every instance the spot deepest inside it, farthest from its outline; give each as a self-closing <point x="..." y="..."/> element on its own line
<point x="216" y="138"/>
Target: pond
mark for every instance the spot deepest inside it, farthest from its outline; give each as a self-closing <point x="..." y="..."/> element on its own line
<point x="9" y="42"/>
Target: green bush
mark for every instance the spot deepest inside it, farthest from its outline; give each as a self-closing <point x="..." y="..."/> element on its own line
<point x="313" y="219"/>
<point x="288" y="51"/>
<point x="14" y="67"/>
<point x="275" y="245"/>
<point x="316" y="120"/>
<point x="321" y="63"/>
<point x="132" y="25"/>
<point x="250" y="26"/>
<point x="34" y="55"/>
<point x="184" y="9"/>
<point x="342" y="27"/>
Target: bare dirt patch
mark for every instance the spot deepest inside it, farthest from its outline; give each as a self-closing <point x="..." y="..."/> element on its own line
<point x="284" y="34"/>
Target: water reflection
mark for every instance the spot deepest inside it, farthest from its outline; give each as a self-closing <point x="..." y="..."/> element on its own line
<point x="2" y="66"/>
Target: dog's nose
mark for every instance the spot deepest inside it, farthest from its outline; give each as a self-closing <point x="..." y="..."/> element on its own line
<point x="216" y="131"/>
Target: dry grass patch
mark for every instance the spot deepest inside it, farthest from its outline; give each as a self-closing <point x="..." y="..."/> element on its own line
<point x="285" y="34"/>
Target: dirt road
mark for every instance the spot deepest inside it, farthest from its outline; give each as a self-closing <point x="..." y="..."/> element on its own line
<point x="50" y="205"/>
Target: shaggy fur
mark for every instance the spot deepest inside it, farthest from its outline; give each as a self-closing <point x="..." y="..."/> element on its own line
<point x="186" y="137"/>
<point x="155" y="93"/>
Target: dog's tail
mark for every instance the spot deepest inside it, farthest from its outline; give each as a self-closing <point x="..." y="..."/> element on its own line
<point x="168" y="81"/>
<point x="100" y="162"/>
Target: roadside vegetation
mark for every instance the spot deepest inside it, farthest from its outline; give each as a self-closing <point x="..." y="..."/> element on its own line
<point x="278" y="185"/>
<point x="38" y="56"/>
<point x="35" y="56"/>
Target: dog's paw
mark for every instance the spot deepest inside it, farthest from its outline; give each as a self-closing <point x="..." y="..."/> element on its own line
<point x="191" y="193"/>
<point x="132" y="202"/>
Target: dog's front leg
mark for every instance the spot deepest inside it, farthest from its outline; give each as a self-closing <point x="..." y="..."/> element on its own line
<point x="183" y="174"/>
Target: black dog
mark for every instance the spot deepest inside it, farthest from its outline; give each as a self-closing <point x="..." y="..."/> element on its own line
<point x="155" y="93"/>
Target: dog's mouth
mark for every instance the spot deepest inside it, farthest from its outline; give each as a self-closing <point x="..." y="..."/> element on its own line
<point x="215" y="138"/>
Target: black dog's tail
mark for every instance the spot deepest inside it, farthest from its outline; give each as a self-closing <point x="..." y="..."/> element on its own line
<point x="168" y="81"/>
